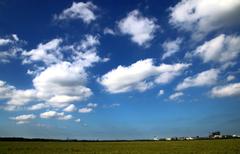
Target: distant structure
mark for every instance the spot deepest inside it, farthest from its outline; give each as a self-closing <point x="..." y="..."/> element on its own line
<point x="215" y="135"/>
<point x="168" y="139"/>
<point x="235" y="136"/>
<point x="155" y="138"/>
<point x="189" y="138"/>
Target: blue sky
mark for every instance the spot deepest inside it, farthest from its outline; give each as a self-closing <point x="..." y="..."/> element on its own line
<point x="119" y="70"/>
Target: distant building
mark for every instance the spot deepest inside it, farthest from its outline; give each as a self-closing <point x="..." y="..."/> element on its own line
<point x="181" y="138"/>
<point x="168" y="139"/>
<point x="235" y="136"/>
<point x="155" y="138"/>
<point x="215" y="135"/>
<point x="189" y="138"/>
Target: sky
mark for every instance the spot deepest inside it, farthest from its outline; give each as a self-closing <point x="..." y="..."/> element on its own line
<point x="119" y="69"/>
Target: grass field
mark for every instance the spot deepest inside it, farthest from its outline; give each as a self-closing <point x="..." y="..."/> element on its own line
<point x="158" y="147"/>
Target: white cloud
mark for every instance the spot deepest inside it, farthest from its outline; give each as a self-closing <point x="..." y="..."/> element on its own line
<point x="226" y="90"/>
<point x="161" y="92"/>
<point x="6" y="90"/>
<point x="64" y="100"/>
<point x="22" y="97"/>
<point x="9" y="40"/>
<point x="54" y="114"/>
<point x="92" y="105"/>
<point x="53" y="51"/>
<point x="143" y="86"/>
<point x="204" y="78"/>
<point x="48" y="53"/>
<point x="227" y="65"/>
<point x="108" y="31"/>
<point x="35" y="70"/>
<point x="22" y="119"/>
<point x="59" y="83"/>
<point x="106" y="59"/>
<point x="70" y="108"/>
<point x="10" y="46"/>
<point x="140" y="76"/>
<point x="15" y="37"/>
<point x="175" y="96"/>
<point x="168" y="72"/>
<point x="89" y="42"/>
<point x="4" y="41"/>
<point x="171" y="47"/>
<point x="78" y="120"/>
<point x="15" y="97"/>
<point x="80" y="10"/>
<point x="230" y="78"/>
<point x="65" y="117"/>
<point x="48" y="114"/>
<point x="85" y="110"/>
<point x="5" y="56"/>
<point x="62" y="84"/>
<point x="140" y="28"/>
<point x="222" y="49"/>
<point x="203" y="16"/>
<point x="38" y="106"/>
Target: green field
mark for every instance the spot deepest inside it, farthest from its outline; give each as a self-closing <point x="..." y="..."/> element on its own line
<point x="158" y="147"/>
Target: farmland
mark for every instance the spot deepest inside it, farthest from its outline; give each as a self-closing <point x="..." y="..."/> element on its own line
<point x="229" y="146"/>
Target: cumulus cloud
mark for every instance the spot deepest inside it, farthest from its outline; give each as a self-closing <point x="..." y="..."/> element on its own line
<point x="36" y="70"/>
<point x="6" y="90"/>
<point x="85" y="110"/>
<point x="222" y="49"/>
<point x="61" y="81"/>
<point x="228" y="90"/>
<point x="53" y="51"/>
<point x="9" y="40"/>
<point x="4" y="41"/>
<point x="38" y="106"/>
<point x="204" y="16"/>
<point x="141" y="29"/>
<point x="140" y="76"/>
<point x="62" y="84"/>
<point x="231" y="78"/>
<point x="79" y="10"/>
<point x="204" y="78"/>
<point x="22" y="119"/>
<point x="56" y="115"/>
<point x="15" y="97"/>
<point x="171" y="47"/>
<point x="70" y="108"/>
<point x="48" y="53"/>
<point x="22" y="97"/>
<point x="175" y="96"/>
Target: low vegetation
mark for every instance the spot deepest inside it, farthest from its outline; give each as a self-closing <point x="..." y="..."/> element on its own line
<point x="229" y="146"/>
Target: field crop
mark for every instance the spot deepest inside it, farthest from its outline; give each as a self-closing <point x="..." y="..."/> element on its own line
<point x="139" y="147"/>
